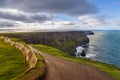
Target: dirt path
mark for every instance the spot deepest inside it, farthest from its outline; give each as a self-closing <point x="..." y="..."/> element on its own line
<point x="59" y="69"/>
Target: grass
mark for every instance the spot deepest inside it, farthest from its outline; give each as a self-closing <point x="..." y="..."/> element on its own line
<point x="66" y="46"/>
<point x="40" y="65"/>
<point x="19" y="41"/>
<point x="39" y="70"/>
<point x="13" y="65"/>
<point x="12" y="62"/>
<point x="108" y="68"/>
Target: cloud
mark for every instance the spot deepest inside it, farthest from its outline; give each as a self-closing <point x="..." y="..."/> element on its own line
<point x="16" y="15"/>
<point x="83" y="22"/>
<point x="5" y="23"/>
<point x="41" y="14"/>
<point x="39" y="17"/>
<point x="72" y="7"/>
<point x="115" y="22"/>
<point x="12" y="14"/>
<point x="92" y="20"/>
<point x="38" y="13"/>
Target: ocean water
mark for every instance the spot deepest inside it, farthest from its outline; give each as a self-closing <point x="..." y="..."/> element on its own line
<point x="104" y="46"/>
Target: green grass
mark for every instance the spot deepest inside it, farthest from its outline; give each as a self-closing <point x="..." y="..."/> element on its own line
<point x="12" y="62"/>
<point x="19" y="41"/>
<point x="66" y="46"/>
<point x="108" y="68"/>
<point x="40" y="69"/>
<point x="40" y="64"/>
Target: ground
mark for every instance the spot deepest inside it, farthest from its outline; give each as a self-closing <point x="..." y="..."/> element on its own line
<point x="60" y="69"/>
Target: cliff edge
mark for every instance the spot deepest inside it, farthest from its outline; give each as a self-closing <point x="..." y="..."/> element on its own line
<point x="65" y="41"/>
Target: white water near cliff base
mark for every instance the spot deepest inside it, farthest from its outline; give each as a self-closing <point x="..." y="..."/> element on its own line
<point x="104" y="46"/>
<point x="79" y="51"/>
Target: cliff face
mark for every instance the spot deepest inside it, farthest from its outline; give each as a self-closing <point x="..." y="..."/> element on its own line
<point x="65" y="41"/>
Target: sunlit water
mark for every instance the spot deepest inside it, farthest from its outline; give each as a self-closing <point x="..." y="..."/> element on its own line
<point x="104" y="46"/>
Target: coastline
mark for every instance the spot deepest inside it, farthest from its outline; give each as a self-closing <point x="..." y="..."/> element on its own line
<point x="107" y="68"/>
<point x="104" y="47"/>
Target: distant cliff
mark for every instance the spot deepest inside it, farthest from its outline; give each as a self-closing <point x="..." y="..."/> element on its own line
<point x="65" y="41"/>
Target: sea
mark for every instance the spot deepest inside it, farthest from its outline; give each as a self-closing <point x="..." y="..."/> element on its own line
<point x="104" y="46"/>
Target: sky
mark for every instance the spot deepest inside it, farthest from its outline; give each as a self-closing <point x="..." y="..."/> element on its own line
<point x="31" y="15"/>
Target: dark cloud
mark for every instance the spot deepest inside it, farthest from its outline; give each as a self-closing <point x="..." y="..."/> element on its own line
<point x="6" y="24"/>
<point x="22" y="16"/>
<point x="30" y="11"/>
<point x="3" y="3"/>
<point x="74" y="7"/>
<point x="39" y="17"/>
<point x="12" y="16"/>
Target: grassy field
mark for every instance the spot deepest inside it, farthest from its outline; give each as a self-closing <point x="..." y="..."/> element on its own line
<point x="12" y="62"/>
<point x="109" y="69"/>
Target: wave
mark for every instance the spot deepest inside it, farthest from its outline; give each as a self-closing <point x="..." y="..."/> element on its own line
<point x="91" y="52"/>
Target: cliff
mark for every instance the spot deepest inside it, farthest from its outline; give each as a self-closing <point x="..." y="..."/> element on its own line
<point x="65" y="41"/>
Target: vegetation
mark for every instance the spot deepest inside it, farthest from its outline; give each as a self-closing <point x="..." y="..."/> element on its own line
<point x="39" y="70"/>
<point x="13" y="65"/>
<point x="12" y="62"/>
<point x="19" y="41"/>
<point x="64" y="41"/>
<point x="108" y="68"/>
